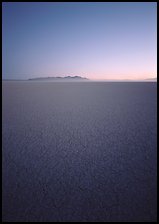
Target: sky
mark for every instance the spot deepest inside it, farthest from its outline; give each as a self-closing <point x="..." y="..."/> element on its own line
<point x="94" y="40"/>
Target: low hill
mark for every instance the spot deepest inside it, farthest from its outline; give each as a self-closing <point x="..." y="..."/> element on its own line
<point x="66" y="78"/>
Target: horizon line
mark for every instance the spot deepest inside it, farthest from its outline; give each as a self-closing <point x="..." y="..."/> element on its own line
<point x="91" y="80"/>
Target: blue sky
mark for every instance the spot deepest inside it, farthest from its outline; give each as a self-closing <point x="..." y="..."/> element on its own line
<point x="95" y="40"/>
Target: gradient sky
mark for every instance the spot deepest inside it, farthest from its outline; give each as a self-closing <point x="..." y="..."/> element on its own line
<point x="94" y="40"/>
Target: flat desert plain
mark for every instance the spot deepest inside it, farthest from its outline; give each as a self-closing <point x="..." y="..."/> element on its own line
<point x="82" y="152"/>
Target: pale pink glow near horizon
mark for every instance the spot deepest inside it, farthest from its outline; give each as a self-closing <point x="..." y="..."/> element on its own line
<point x="96" y="41"/>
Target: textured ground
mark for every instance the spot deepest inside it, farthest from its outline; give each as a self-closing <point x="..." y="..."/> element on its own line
<point x="79" y="151"/>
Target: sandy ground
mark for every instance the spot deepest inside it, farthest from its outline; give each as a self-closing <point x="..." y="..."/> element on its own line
<point x="79" y="152"/>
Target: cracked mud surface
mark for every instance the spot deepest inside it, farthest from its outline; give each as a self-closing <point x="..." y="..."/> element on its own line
<point x="79" y="152"/>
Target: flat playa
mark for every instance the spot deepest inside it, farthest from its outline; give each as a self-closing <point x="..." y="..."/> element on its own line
<point x="79" y="152"/>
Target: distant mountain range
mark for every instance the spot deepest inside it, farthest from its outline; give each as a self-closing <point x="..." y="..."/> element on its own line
<point x="79" y="78"/>
<point x="66" y="78"/>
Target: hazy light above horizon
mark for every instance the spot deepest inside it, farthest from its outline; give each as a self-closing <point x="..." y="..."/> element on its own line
<point x="93" y="40"/>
